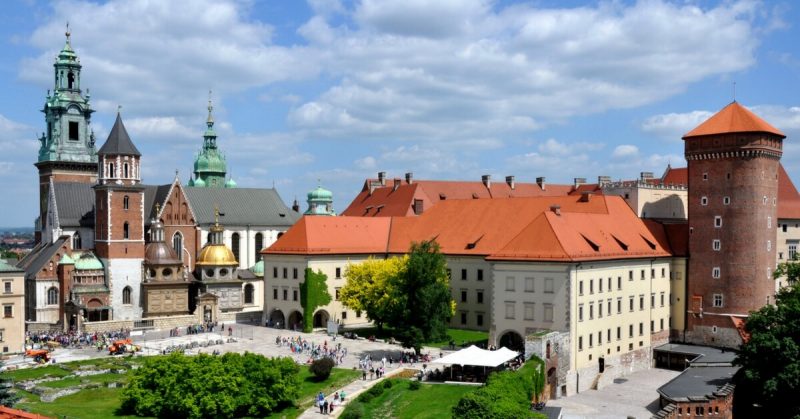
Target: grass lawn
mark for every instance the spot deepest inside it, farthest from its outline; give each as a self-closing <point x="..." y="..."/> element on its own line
<point x="103" y="402"/>
<point x="430" y="401"/>
<point x="459" y="336"/>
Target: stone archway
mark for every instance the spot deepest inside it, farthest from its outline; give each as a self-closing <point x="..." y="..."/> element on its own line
<point x="321" y="318"/>
<point x="295" y="321"/>
<point x="512" y="340"/>
<point x="552" y="383"/>
<point x="277" y="319"/>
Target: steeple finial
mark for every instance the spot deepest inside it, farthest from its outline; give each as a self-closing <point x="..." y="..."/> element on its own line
<point x="158" y="209"/>
<point x="67" y="33"/>
<point x="119" y="109"/>
<point x="216" y="215"/>
<point x="210" y="120"/>
<point x="734" y="91"/>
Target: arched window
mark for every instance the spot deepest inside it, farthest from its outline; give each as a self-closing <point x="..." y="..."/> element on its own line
<point x="126" y="295"/>
<point x="177" y="244"/>
<point x="126" y="202"/>
<point x="70" y="80"/>
<point x="259" y="245"/>
<point x="125" y="231"/>
<point x="52" y="296"/>
<point x="125" y="170"/>
<point x="76" y="241"/>
<point x="208" y="238"/>
<point x="248" y="294"/>
<point x="235" y="245"/>
<point x="111" y="172"/>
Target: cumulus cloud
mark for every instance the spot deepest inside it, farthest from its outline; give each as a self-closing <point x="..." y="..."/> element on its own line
<point x="625" y="151"/>
<point x="672" y="126"/>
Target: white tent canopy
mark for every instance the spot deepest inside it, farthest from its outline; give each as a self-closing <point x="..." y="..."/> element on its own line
<point x="478" y="357"/>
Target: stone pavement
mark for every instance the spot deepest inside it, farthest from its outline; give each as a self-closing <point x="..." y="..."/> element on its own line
<point x="632" y="396"/>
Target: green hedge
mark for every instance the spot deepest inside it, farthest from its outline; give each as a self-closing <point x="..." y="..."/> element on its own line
<point x="232" y="385"/>
<point x="507" y="394"/>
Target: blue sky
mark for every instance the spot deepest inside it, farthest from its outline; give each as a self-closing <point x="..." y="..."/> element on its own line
<point x="450" y="89"/>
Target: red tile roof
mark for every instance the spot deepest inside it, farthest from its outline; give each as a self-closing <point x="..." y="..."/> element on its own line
<point x="388" y="201"/>
<point x="672" y="236"/>
<point x="740" y="324"/>
<point x="788" y="198"/>
<point x="675" y="176"/>
<point x="9" y="413"/>
<point x="733" y="118"/>
<point x="498" y="229"/>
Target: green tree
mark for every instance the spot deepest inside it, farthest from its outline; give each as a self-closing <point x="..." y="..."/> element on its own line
<point x="789" y="269"/>
<point x="7" y="395"/>
<point x="423" y="297"/>
<point x="770" y="359"/>
<point x="313" y="294"/>
<point x="507" y="394"/>
<point x="371" y="287"/>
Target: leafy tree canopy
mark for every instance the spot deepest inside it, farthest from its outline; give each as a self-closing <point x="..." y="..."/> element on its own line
<point x="313" y="294"/>
<point x="770" y="359"/>
<point x="7" y="395"/>
<point x="372" y="287"/>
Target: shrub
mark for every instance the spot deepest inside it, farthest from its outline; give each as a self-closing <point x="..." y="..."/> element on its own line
<point x="376" y="390"/>
<point x="414" y="385"/>
<point x="354" y="410"/>
<point x="365" y="397"/>
<point x="321" y="368"/>
<point x="387" y="384"/>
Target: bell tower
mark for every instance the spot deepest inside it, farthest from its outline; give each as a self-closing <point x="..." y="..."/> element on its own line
<point x="733" y="162"/>
<point x="67" y="148"/>
<point x="210" y="167"/>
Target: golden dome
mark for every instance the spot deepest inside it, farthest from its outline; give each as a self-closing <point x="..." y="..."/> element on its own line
<point x="216" y="255"/>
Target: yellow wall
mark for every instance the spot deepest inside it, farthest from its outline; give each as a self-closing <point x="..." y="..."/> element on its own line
<point x="13" y="327"/>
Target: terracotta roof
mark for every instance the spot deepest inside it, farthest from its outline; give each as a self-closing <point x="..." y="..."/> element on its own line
<point x="733" y="118"/>
<point x="673" y="236"/>
<point x="498" y="229"/>
<point x="334" y="235"/>
<point x="675" y="176"/>
<point x="741" y="326"/>
<point x="9" y="413"/>
<point x="788" y="198"/>
<point x="388" y="201"/>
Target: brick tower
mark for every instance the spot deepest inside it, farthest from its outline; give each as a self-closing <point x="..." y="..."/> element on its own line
<point x="733" y="189"/>
<point x="66" y="151"/>
<point x="119" y="221"/>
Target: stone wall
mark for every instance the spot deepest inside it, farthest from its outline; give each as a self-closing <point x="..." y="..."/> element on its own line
<point x="42" y="327"/>
<point x="557" y="358"/>
<point x="727" y="337"/>
<point x="616" y="366"/>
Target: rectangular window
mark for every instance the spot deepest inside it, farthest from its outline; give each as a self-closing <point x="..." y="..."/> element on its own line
<point x="509" y="310"/>
<point x="591" y="340"/>
<point x="463" y="296"/>
<point x="591" y="311"/>
<point x="642" y="276"/>
<point x="599" y="338"/>
<point x="529" y="310"/>
<point x="619" y="305"/>
<point x="510" y="283"/>
<point x="480" y="274"/>
<point x="630" y="275"/>
<point x="480" y="297"/>
<point x="717" y="300"/>
<point x="630" y="303"/>
<point x="580" y="312"/>
<point x="652" y="300"/>
<point x="336" y="296"/>
<point x="600" y="309"/>
<point x="338" y="273"/>
<point x="661" y="324"/>
<point x="703" y="201"/>
<point x="619" y="283"/>
<point x="580" y="343"/>
<point x="274" y="271"/>
<point x="73" y="131"/>
<point x="548" y="312"/>
<point x="608" y="310"/>
<point x="8" y="310"/>
<point x="717" y="221"/>
<point x="274" y="293"/>
<point x="609" y="283"/>
<point x="3" y="336"/>
<point x="652" y="273"/>
<point x="7" y="287"/>
<point x="548" y="285"/>
<point x="285" y="273"/>
<point x="529" y="285"/>
<point x="661" y="297"/>
<point x="295" y="295"/>
<point x="619" y="333"/>
<point x="769" y="222"/>
<point x="600" y="285"/>
<point x="463" y="318"/>
<point x="449" y="273"/>
<point x="715" y="272"/>
<point x="344" y="315"/>
<point x="641" y="302"/>
<point x="580" y="288"/>
<point x="726" y="200"/>
<point x="716" y="245"/>
<point x="294" y="273"/>
<point x="663" y="272"/>
<point x="285" y="295"/>
<point x="630" y="330"/>
<point x="463" y="274"/>
<point x="792" y="250"/>
<point x="591" y="286"/>
<point x="479" y="319"/>
<point x="652" y="326"/>
<point x="641" y="328"/>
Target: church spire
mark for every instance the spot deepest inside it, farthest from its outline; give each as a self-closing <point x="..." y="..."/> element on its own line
<point x="210" y="168"/>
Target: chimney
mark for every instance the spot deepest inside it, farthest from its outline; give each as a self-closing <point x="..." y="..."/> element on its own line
<point x="382" y="178"/>
<point x="645" y="176"/>
<point x="409" y="177"/>
<point x="487" y="181"/>
<point x="556" y="209"/>
<point x="541" y="182"/>
<point x="510" y="181"/>
<point x="603" y="180"/>
<point x="586" y="196"/>
<point x="579" y="181"/>
<point x="418" y="207"/>
<point x="396" y="185"/>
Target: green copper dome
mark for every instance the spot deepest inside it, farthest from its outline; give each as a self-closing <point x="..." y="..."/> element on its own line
<point x="320" y="194"/>
<point x="210" y="167"/>
<point x="320" y="202"/>
<point x="66" y="260"/>
<point x="230" y="183"/>
<point x="258" y="269"/>
<point x="191" y="182"/>
<point x="88" y="262"/>
<point x="199" y="183"/>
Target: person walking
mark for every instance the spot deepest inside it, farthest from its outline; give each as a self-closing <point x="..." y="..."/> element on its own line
<point x="341" y="396"/>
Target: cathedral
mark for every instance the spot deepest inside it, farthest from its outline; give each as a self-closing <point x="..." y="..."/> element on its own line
<point x="113" y="252"/>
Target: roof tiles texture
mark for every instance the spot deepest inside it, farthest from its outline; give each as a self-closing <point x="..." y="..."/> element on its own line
<point x="498" y="229"/>
<point x="733" y="118"/>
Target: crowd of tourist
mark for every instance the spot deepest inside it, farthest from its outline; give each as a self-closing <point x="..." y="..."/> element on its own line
<point x="74" y="339"/>
<point x="298" y="345"/>
<point x="326" y="406"/>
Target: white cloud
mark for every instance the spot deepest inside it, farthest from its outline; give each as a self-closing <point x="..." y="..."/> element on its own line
<point x="160" y="127"/>
<point x="625" y="151"/>
<point x="366" y="163"/>
<point x="673" y="126"/>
